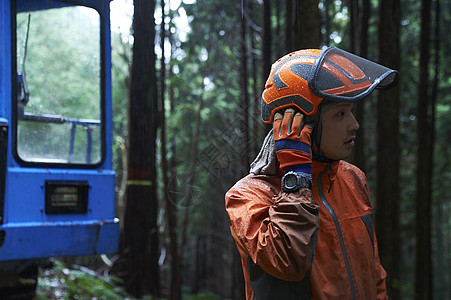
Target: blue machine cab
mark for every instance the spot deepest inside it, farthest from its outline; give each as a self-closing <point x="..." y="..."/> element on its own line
<point x="57" y="190"/>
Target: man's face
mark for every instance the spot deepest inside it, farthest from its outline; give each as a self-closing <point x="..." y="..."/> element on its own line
<point x="339" y="128"/>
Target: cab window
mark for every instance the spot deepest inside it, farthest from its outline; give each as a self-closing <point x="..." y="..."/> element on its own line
<point x="58" y="103"/>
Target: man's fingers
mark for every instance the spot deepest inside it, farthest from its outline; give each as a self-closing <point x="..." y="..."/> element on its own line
<point x="297" y="123"/>
<point x="278" y="116"/>
<point x="290" y="122"/>
<point x="277" y="132"/>
<point x="289" y="110"/>
<point x="287" y="121"/>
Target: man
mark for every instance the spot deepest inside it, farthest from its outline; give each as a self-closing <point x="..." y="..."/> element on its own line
<point x="303" y="226"/>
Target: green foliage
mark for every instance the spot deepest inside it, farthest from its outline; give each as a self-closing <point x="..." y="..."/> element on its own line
<point x="205" y="72"/>
<point x="76" y="282"/>
<point x="62" y="282"/>
<point x="339" y="18"/>
<point x="120" y="56"/>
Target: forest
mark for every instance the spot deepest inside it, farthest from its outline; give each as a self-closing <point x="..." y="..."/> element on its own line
<point x="187" y="82"/>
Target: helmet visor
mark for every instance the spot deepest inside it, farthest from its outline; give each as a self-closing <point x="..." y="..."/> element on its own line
<point x="342" y="76"/>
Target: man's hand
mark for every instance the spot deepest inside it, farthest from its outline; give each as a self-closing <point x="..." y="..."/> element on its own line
<point x="292" y="141"/>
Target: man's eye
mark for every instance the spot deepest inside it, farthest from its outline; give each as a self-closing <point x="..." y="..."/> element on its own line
<point x="341" y="114"/>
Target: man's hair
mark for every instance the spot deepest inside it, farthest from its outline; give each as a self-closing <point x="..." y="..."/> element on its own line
<point x="327" y="104"/>
<point x="323" y="107"/>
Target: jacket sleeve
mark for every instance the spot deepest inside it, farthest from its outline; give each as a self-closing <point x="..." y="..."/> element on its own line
<point x="274" y="229"/>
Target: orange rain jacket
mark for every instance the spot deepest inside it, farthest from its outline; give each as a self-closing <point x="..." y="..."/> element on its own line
<point x="276" y="233"/>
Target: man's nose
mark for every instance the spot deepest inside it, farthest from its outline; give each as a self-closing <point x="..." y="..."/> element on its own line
<point x="354" y="124"/>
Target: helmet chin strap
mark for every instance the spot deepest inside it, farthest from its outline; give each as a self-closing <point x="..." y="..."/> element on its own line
<point x="316" y="136"/>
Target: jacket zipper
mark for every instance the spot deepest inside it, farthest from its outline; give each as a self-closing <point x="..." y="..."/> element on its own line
<point x="337" y="226"/>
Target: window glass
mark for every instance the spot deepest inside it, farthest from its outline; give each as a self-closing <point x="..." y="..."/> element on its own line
<point x="58" y="90"/>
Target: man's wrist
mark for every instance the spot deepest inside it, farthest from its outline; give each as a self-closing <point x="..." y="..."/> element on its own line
<point x="302" y="169"/>
<point x="294" y="181"/>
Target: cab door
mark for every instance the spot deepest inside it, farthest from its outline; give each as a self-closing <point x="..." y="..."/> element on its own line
<point x="59" y="186"/>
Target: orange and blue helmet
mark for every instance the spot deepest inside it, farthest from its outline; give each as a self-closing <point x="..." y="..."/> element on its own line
<point x="305" y="78"/>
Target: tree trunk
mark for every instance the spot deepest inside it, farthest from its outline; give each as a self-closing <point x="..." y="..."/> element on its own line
<point x="278" y="32"/>
<point x="170" y="207"/>
<point x="289" y="37"/>
<point x="172" y="217"/>
<point x="423" y="271"/>
<point x="388" y="151"/>
<point x="244" y="100"/>
<point x="188" y="192"/>
<point x="440" y="259"/>
<point x="266" y="40"/>
<point x="255" y="119"/>
<point x="364" y="17"/>
<point x="303" y="28"/>
<point x="362" y="50"/>
<point x="140" y="248"/>
<point x="326" y="23"/>
<point x="266" y="46"/>
<point x="353" y="24"/>
<point x="360" y="13"/>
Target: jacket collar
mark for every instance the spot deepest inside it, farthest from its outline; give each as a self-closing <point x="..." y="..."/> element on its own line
<point x="330" y="168"/>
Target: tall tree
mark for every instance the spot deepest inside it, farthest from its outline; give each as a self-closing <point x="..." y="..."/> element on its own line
<point x="326" y="20"/>
<point x="244" y="95"/>
<point x="423" y="271"/>
<point x="266" y="39"/>
<point x="388" y="151"/>
<point x="167" y="169"/>
<point x="358" y="25"/>
<point x="303" y="25"/>
<point x="140" y="244"/>
<point x="267" y="56"/>
<point x="439" y="255"/>
<point x="257" y="129"/>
